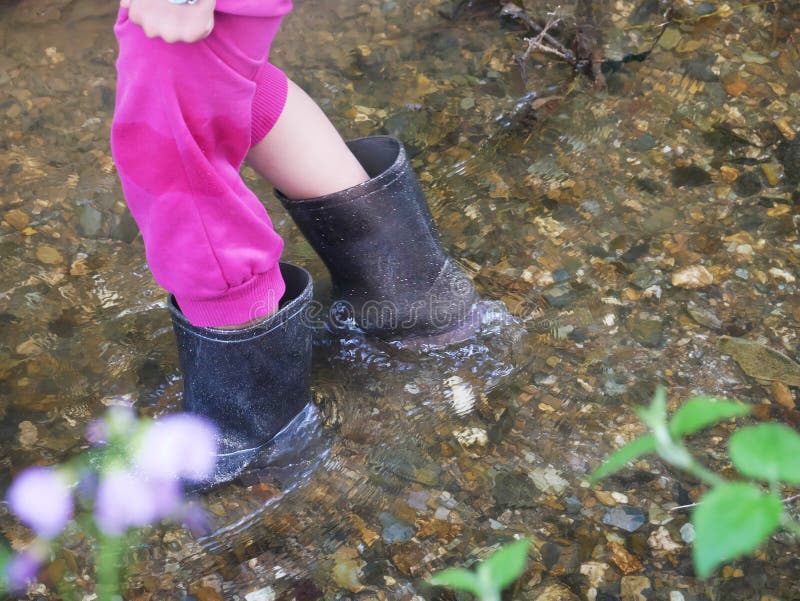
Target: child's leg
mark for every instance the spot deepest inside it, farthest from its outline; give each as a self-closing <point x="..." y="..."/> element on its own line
<point x="303" y="155"/>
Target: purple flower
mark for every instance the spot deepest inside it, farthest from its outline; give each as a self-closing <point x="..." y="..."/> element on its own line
<point x="41" y="498"/>
<point x="21" y="571"/>
<point x="118" y="421"/>
<point x="196" y="519"/>
<point x="125" y="500"/>
<point x="178" y="446"/>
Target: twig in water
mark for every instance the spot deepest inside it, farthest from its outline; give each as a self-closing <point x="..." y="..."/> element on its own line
<point x="785" y="501"/>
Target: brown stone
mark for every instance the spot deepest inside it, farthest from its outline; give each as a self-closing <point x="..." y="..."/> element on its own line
<point x="49" y="255"/>
<point x="623" y="559"/>
<point x="782" y="394"/>
<point x="17" y="219"/>
<point x="632" y="588"/>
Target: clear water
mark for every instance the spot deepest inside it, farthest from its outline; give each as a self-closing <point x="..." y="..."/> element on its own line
<point x="575" y="216"/>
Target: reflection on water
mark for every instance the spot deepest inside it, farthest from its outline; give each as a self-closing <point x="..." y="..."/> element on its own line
<point x="578" y="214"/>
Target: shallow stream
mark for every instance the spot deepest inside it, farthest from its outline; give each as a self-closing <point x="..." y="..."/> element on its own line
<point x="625" y="228"/>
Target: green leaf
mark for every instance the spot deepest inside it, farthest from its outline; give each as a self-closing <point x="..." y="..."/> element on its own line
<point x="624" y="455"/>
<point x="767" y="452"/>
<point x="458" y="579"/>
<point x="732" y="520"/>
<point x="505" y="565"/>
<point x="655" y="414"/>
<point x="702" y="411"/>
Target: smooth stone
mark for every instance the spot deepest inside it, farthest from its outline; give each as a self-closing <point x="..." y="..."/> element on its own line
<point x="90" y="220"/>
<point x="555" y="592"/>
<point x="643" y="143"/>
<point x="643" y="278"/>
<point x="699" y="67"/>
<point x="691" y="176"/>
<point x="395" y="530"/>
<point x="687" y="533"/>
<point x="788" y="154"/>
<point x="635" y="588"/>
<point x="747" y="184"/>
<point x="704" y="317"/>
<point x="629" y="519"/>
<point x="559" y="295"/>
<point x="643" y="12"/>
<point x="264" y="594"/>
<point x="514" y="490"/>
<point x="647" y="330"/>
<point x="549" y="480"/>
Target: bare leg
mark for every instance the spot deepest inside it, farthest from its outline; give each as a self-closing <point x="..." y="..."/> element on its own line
<point x="303" y="155"/>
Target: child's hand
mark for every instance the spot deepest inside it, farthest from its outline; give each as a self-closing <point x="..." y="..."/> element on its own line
<point x="172" y="22"/>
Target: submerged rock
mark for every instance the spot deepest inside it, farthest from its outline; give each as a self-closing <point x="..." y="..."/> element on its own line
<point x="514" y="490"/>
<point x="694" y="276"/>
<point x="691" y="176"/>
<point x="629" y="519"/>
<point x="635" y="588"/>
<point x="760" y="361"/>
<point x="647" y="330"/>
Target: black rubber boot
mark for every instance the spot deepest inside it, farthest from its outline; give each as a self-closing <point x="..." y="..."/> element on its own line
<point x="391" y="278"/>
<point x="252" y="382"/>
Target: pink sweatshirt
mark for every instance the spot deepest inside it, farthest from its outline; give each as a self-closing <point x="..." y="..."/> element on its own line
<point x="186" y="116"/>
<point x="254" y="8"/>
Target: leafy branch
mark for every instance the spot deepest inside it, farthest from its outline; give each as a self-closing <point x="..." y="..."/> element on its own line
<point x="734" y="517"/>
<point x="494" y="574"/>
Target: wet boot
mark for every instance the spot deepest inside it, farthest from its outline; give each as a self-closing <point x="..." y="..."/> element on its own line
<point x="252" y="383"/>
<point x="391" y="278"/>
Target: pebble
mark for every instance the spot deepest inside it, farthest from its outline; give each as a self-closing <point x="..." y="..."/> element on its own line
<point x="595" y="572"/>
<point x="49" y="255"/>
<point x="635" y="588"/>
<point x="704" y="317"/>
<point x="781" y="274"/>
<point x="17" y="218"/>
<point x="418" y="499"/>
<point x="90" y="220"/>
<point x="647" y="330"/>
<point x="28" y="434"/>
<point x="676" y="596"/>
<point x="605" y="497"/>
<point x="202" y="593"/>
<point x="555" y="592"/>
<point x="442" y="513"/>
<point x="549" y="480"/>
<point x="471" y="438"/>
<point x="694" y="276"/>
<point x="660" y="540"/>
<point x="573" y="505"/>
<point x="629" y="519"/>
<point x="559" y="295"/>
<point x="747" y="184"/>
<point x="690" y="176"/>
<point x="514" y="490"/>
<point x="347" y="574"/>
<point x="687" y="533"/>
<point x="394" y="530"/>
<point x="782" y="394"/>
<point x="623" y="559"/>
<point x="670" y="38"/>
<point x="264" y="594"/>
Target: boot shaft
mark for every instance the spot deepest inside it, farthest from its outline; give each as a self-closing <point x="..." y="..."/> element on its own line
<point x="253" y="381"/>
<point x="378" y="240"/>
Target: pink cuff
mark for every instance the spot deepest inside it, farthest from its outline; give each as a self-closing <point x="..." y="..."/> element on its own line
<point x="270" y="98"/>
<point x="257" y="297"/>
